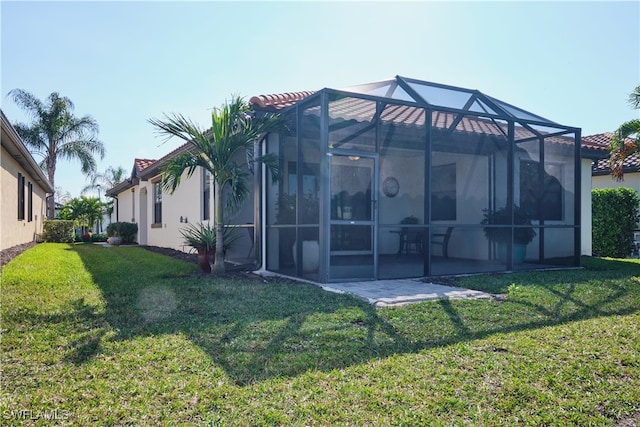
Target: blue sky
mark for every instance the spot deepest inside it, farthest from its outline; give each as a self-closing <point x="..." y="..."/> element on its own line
<point x="125" y="62"/>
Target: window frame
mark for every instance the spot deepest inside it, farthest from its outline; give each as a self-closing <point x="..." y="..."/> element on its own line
<point x="157" y="202"/>
<point x="21" y="196"/>
<point x="30" y="203"/>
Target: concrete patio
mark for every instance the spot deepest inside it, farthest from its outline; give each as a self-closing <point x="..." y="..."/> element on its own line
<point x="385" y="293"/>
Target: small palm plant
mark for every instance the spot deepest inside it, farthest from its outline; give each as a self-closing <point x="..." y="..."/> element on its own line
<point x="203" y="238"/>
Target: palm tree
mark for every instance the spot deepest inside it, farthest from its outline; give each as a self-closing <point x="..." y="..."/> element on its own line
<point x="234" y="129"/>
<point x="106" y="180"/>
<point x="85" y="210"/>
<point x="55" y="133"/>
<point x="625" y="140"/>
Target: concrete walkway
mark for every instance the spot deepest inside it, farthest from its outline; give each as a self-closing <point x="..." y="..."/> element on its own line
<point x="384" y="293"/>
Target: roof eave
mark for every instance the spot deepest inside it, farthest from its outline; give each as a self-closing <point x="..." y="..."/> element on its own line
<point x="14" y="144"/>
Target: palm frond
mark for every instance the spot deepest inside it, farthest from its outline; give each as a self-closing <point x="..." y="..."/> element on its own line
<point x="27" y="102"/>
<point x="634" y="98"/>
<point x="176" y="125"/>
<point x="31" y="135"/>
<point x="174" y="169"/>
<point x="624" y="143"/>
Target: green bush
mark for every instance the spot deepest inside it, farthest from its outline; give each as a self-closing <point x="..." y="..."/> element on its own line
<point x="125" y="230"/>
<point x="615" y="216"/>
<point x="99" y="237"/>
<point x="59" y="231"/>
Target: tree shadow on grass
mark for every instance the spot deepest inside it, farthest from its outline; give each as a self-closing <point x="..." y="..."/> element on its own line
<point x="257" y="330"/>
<point x="77" y="320"/>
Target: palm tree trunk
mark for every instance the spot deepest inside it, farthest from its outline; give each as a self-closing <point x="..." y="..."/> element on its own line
<point x="51" y="202"/>
<point x="218" y="264"/>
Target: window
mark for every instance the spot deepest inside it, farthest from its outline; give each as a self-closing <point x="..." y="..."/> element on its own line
<point x="206" y="195"/>
<point x="443" y="193"/>
<point x="548" y="198"/>
<point x="30" y="203"/>
<point x="21" y="183"/>
<point x="157" y="205"/>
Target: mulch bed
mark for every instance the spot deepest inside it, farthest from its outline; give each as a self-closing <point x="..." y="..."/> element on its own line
<point x="182" y="256"/>
<point x="8" y="254"/>
<point x="233" y="271"/>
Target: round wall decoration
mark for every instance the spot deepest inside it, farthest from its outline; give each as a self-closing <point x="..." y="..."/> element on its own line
<point x="390" y="187"/>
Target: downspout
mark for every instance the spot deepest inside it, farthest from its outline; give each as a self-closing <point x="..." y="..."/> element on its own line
<point x="260" y="210"/>
<point x="117" y="208"/>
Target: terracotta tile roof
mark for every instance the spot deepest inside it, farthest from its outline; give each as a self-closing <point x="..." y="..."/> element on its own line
<point x="598" y="141"/>
<point x="142" y="164"/>
<point x="279" y="101"/>
<point x="601" y="141"/>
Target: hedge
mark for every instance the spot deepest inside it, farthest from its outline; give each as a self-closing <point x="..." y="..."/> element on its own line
<point x="615" y="216"/>
<point x="125" y="230"/>
<point x="59" y="230"/>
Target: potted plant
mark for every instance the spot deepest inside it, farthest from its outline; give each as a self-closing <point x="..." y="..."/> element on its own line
<point x="522" y="236"/>
<point x="114" y="238"/>
<point x="202" y="237"/>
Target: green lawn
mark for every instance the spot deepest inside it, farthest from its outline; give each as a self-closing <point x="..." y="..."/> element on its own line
<point x="114" y="336"/>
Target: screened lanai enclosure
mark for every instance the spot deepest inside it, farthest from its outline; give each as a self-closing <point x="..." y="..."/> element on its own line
<point x="404" y="178"/>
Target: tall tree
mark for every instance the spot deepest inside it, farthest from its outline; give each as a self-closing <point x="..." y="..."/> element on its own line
<point x="105" y="180"/>
<point x="56" y="134"/>
<point x="626" y="139"/>
<point x="234" y="129"/>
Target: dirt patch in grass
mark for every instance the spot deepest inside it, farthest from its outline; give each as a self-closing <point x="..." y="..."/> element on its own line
<point x="182" y="256"/>
<point x="234" y="271"/>
<point x="631" y="421"/>
<point x="8" y="254"/>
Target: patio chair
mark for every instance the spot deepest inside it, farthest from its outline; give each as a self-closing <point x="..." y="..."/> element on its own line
<point x="442" y="239"/>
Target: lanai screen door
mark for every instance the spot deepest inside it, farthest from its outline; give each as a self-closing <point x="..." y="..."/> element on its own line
<point x="353" y="217"/>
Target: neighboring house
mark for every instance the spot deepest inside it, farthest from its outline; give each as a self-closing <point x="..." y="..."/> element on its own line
<point x="24" y="191"/>
<point x="390" y="180"/>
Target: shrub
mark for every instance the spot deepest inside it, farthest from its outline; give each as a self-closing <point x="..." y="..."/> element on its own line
<point x="615" y="216"/>
<point x="98" y="237"/>
<point x="59" y="231"/>
<point x="125" y="230"/>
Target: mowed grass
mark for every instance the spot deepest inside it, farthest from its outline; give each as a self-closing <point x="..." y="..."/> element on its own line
<point x="123" y="336"/>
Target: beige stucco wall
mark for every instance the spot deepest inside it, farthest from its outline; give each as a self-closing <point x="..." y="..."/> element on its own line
<point x="586" y="241"/>
<point x="13" y="231"/>
<point x="631" y="180"/>
<point x="184" y="202"/>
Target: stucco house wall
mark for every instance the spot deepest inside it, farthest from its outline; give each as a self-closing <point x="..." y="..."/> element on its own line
<point x="631" y="180"/>
<point x="183" y="203"/>
<point x="16" y="161"/>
